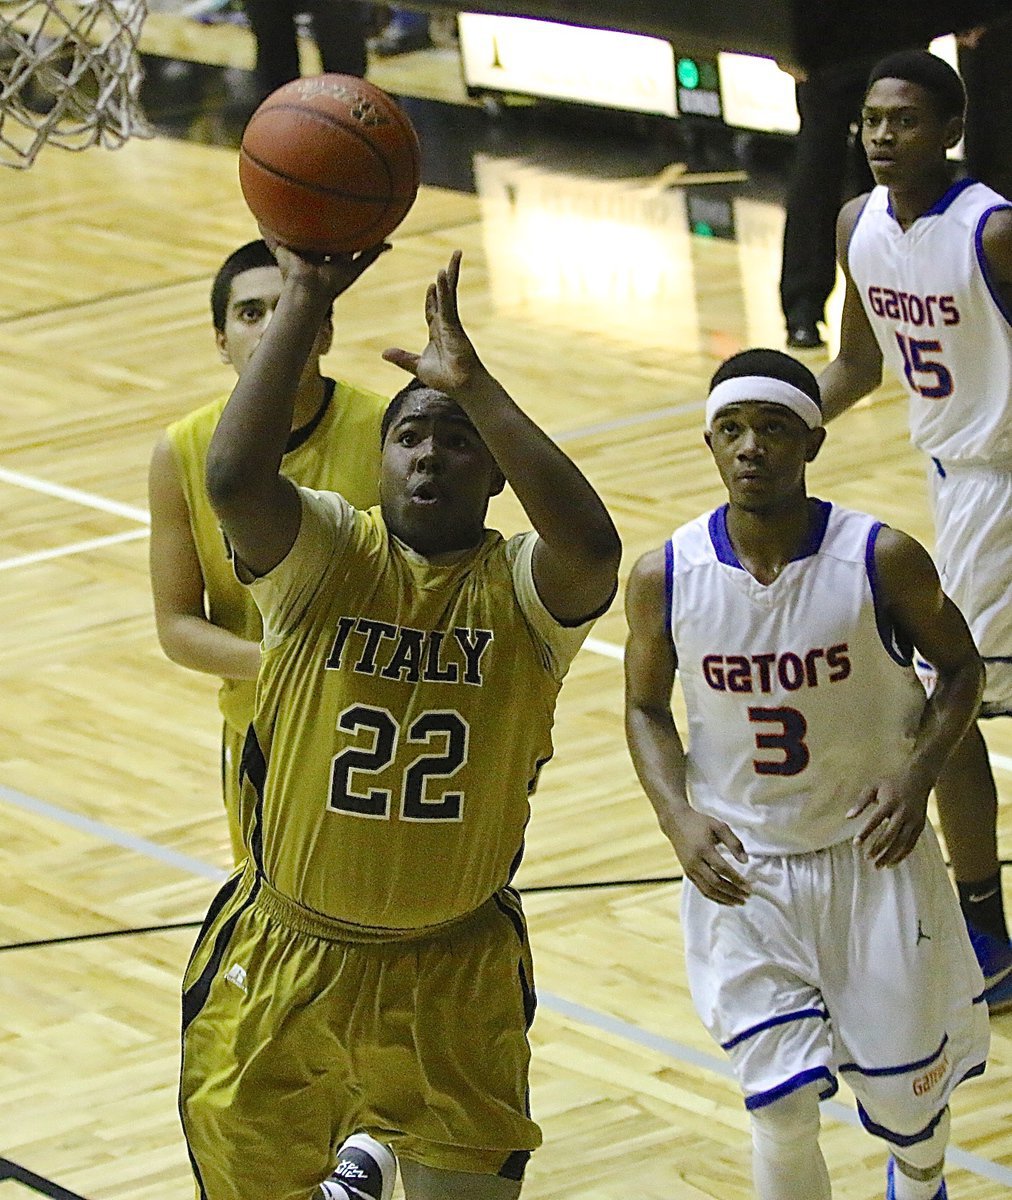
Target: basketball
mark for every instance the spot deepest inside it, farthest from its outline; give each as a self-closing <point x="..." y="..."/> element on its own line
<point x="329" y="164"/>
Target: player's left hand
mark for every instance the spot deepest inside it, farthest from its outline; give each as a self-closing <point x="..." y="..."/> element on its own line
<point x="449" y="362"/>
<point x="898" y="812"/>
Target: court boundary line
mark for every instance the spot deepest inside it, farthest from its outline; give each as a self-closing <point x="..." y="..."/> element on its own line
<point x="604" y="1022"/>
<point x="34" y="1182"/>
<point x="60" y="491"/>
<point x="68" y="548"/>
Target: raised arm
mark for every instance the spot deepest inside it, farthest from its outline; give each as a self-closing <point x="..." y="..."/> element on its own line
<point x="656" y="748"/>
<point x="576" y="559"/>
<point x="857" y="368"/>
<point x="258" y="507"/>
<point x="177" y="583"/>
<point x="924" y="616"/>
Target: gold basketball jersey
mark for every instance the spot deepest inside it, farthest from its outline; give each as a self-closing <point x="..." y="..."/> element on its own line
<point x="404" y="712"/>
<point x="341" y="454"/>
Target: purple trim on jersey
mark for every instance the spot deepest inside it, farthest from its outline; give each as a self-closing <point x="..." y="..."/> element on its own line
<point x="800" y="1014"/>
<point x="942" y="473"/>
<point x="900" y="1070"/>
<point x="761" y="1099"/>
<point x="985" y="266"/>
<point x="721" y="539"/>
<point x="911" y="1139"/>
<point x="899" y="652"/>
<point x="669" y="583"/>
<point x="943" y="201"/>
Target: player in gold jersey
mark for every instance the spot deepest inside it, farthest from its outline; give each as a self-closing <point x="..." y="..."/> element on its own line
<point x="206" y="620"/>
<point x="369" y="966"/>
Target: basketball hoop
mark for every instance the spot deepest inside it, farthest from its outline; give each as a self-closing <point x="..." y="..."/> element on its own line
<point x="70" y="75"/>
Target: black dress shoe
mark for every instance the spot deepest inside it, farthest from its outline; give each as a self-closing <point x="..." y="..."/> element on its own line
<point x="804" y="336"/>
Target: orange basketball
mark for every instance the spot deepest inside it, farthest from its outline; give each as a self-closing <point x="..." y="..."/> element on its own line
<point x="329" y="164"/>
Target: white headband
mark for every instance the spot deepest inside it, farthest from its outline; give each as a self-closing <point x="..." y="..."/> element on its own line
<point x="765" y="388"/>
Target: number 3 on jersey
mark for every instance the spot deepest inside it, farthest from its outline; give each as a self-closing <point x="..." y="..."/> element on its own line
<point x="789" y="740"/>
<point x="444" y="729"/>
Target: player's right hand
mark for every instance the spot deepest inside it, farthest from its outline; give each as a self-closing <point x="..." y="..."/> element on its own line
<point x="700" y="841"/>
<point x="331" y="273"/>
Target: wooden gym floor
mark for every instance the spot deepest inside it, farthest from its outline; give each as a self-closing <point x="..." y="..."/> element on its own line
<point x="586" y="293"/>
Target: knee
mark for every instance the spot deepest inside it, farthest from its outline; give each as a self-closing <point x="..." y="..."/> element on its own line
<point x="924" y="1157"/>
<point x="788" y="1125"/>
<point x="908" y="1129"/>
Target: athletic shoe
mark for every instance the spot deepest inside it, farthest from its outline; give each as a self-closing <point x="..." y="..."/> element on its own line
<point x="998" y="996"/>
<point x="994" y="955"/>
<point x="365" y="1170"/>
<point x="941" y="1194"/>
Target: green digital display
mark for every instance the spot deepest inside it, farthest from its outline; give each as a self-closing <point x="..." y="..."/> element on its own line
<point x="688" y="73"/>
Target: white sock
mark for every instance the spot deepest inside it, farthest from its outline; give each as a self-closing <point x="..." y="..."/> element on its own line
<point x="915" y="1189"/>
<point x="923" y="1157"/>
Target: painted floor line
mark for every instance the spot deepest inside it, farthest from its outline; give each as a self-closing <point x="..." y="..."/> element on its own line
<point x="109" y="833"/>
<point x="37" y="556"/>
<point x="606" y="649"/>
<point x="74" y="495"/>
<point x="707" y="1062"/>
<point x="642" y="418"/>
<point x="549" y="1000"/>
<point x="91" y="500"/>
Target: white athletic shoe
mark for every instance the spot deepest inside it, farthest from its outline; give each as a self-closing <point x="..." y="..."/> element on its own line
<point x="366" y="1170"/>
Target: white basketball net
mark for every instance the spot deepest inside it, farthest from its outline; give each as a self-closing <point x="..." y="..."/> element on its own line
<point x="70" y="75"/>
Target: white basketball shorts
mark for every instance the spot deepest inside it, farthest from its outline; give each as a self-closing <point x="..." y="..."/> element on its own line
<point x="973" y="548"/>
<point x="833" y="966"/>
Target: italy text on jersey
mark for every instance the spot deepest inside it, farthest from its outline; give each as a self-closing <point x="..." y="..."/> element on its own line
<point x="409" y="655"/>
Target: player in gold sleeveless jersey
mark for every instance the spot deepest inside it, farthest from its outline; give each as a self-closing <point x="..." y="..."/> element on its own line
<point x="369" y="968"/>
<point x="206" y="619"/>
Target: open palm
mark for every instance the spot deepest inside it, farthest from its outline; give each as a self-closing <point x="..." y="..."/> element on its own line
<point x="448" y="360"/>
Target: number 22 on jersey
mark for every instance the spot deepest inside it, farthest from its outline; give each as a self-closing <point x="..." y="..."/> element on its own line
<point x="443" y="730"/>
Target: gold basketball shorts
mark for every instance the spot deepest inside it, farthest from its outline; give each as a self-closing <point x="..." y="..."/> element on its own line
<point x="298" y="1032"/>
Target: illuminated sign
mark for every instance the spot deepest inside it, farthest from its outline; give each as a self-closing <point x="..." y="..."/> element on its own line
<point x="567" y="62"/>
<point x="756" y="94"/>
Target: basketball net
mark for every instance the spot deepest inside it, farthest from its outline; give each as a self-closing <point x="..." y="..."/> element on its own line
<point x="70" y="75"/>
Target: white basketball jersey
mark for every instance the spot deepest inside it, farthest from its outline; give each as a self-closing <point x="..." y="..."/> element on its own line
<point x="798" y="694"/>
<point x="941" y="324"/>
